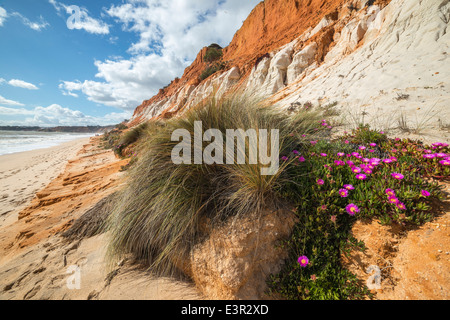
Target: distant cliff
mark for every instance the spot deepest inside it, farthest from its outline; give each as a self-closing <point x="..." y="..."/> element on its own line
<point x="72" y="129"/>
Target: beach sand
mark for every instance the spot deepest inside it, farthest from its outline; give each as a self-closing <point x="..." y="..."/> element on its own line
<point x="23" y="174"/>
<point x="45" y="191"/>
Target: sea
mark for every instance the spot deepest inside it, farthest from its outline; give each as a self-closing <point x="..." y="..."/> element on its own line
<point x="20" y="141"/>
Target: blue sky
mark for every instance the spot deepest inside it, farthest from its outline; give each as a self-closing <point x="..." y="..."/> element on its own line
<point x="92" y="62"/>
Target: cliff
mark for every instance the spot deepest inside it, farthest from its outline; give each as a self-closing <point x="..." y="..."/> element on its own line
<point x="382" y="61"/>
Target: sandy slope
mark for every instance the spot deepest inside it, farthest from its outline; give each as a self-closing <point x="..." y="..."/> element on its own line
<point x="35" y="259"/>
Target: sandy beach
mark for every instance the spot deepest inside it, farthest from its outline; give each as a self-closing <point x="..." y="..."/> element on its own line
<point x="45" y="191"/>
<point x="25" y="173"/>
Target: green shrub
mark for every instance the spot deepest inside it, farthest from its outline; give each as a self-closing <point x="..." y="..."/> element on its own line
<point x="212" y="54"/>
<point x="210" y="70"/>
<point x="130" y="137"/>
<point x="157" y="216"/>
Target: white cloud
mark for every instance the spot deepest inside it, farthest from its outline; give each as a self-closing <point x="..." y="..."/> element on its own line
<point x="78" y="18"/>
<point x="3" y="16"/>
<point x="33" y="25"/>
<point x="22" y="84"/>
<point x="171" y="33"/>
<point x="7" y="102"/>
<point x="56" y="115"/>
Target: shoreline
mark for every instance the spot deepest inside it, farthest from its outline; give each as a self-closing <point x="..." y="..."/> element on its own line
<point x="23" y="174"/>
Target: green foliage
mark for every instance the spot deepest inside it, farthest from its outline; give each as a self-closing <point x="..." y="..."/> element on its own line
<point x="130" y="137"/>
<point x="323" y="232"/>
<point x="212" y="54"/>
<point x="210" y="70"/>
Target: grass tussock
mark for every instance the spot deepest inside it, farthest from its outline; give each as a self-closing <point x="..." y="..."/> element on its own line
<point x="162" y="211"/>
<point x="92" y="222"/>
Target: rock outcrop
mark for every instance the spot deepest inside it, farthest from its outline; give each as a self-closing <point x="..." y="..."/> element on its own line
<point x="235" y="259"/>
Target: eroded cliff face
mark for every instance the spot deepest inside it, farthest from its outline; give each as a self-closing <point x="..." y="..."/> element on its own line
<point x="380" y="57"/>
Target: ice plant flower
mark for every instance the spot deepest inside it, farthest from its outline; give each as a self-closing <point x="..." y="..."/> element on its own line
<point x="313" y="142"/>
<point x="372" y="144"/>
<point x="367" y="171"/>
<point x="355" y="154"/>
<point x="349" y="187"/>
<point x="387" y="160"/>
<point x="352" y="209"/>
<point x="445" y="162"/>
<point x="301" y="159"/>
<point x="339" y="163"/>
<point x="350" y="163"/>
<point x="390" y="192"/>
<point x="340" y="154"/>
<point x="425" y="193"/>
<point x="323" y="154"/>
<point x="362" y="148"/>
<point x="401" y="206"/>
<point x="356" y="170"/>
<point x="343" y="193"/>
<point x="320" y="182"/>
<point x="361" y="176"/>
<point x="397" y="175"/>
<point x="303" y="261"/>
<point x="284" y="158"/>
<point x="429" y="156"/>
<point x="441" y="155"/>
<point x="295" y="152"/>
<point x="393" y="199"/>
<point x="393" y="159"/>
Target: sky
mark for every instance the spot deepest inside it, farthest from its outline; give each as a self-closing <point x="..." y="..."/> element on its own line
<point x="80" y="62"/>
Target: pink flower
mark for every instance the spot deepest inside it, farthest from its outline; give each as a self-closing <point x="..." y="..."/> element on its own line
<point x="343" y="193"/>
<point x="323" y="154"/>
<point x="356" y="170"/>
<point x="367" y="171"/>
<point x="341" y="154"/>
<point x="339" y="163"/>
<point x="393" y="159"/>
<point x="429" y="156"/>
<point x="350" y="163"/>
<point x="425" y="193"/>
<point x="295" y="152"/>
<point x="390" y="192"/>
<point x="352" y="209"/>
<point x="333" y="218"/>
<point x="387" y="160"/>
<point x="349" y="187"/>
<point x="372" y="144"/>
<point x="301" y="159"/>
<point x="371" y="151"/>
<point x="320" y="182"/>
<point x="445" y="162"/>
<point x="401" y="206"/>
<point x="313" y="142"/>
<point x="393" y="200"/>
<point x="303" y="261"/>
<point x="284" y="158"/>
<point x="355" y="154"/>
<point x="361" y="176"/>
<point x="346" y="142"/>
<point x="441" y="155"/>
<point x="362" y="148"/>
<point x="397" y="175"/>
